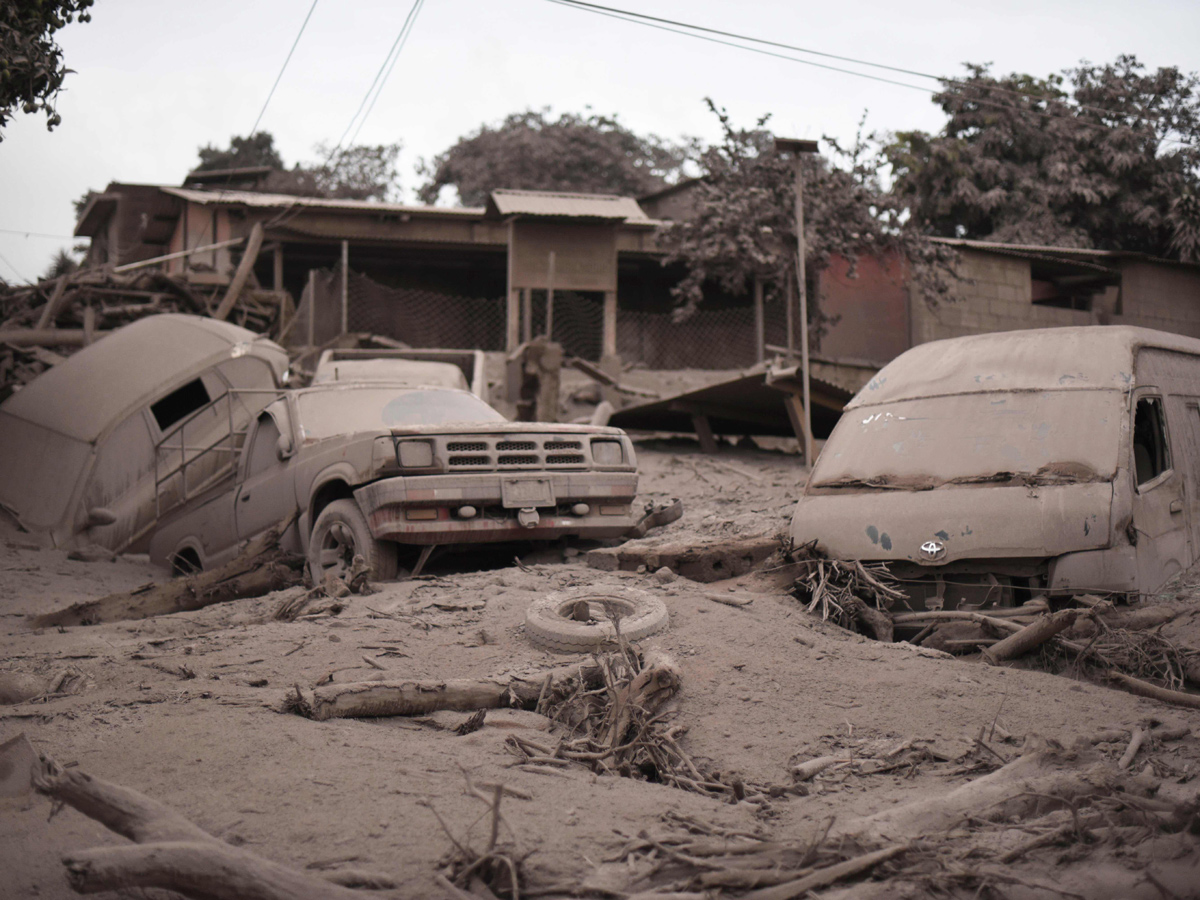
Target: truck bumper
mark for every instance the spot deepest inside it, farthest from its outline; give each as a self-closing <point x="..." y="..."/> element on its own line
<point x="429" y="509"/>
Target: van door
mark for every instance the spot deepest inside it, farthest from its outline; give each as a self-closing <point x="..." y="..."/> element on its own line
<point x="1186" y="411"/>
<point x="267" y="491"/>
<point x="1159" y="513"/>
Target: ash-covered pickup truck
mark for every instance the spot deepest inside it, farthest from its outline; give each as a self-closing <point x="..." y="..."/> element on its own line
<point x="366" y="467"/>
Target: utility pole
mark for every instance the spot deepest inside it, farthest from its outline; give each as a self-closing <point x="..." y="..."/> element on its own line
<point x="797" y="148"/>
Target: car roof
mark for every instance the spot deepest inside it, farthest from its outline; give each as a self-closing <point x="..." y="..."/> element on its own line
<point x="87" y="392"/>
<point x="1079" y="357"/>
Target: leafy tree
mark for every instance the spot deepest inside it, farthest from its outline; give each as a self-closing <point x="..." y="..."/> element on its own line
<point x="359" y="172"/>
<point x="31" y="62"/>
<point x="1104" y="157"/>
<point x="243" y="153"/>
<point x="743" y="222"/>
<point x="529" y="150"/>
<point x="62" y="263"/>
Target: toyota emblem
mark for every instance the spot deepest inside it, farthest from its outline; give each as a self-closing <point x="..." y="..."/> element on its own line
<point x="933" y="550"/>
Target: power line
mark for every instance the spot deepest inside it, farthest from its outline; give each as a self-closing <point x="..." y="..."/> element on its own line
<point x="41" y="234"/>
<point x="413" y="16"/>
<point x="14" y="268"/>
<point x="654" y="22"/>
<point x="850" y="59"/>
<point x="283" y="68"/>
<point x="396" y="44"/>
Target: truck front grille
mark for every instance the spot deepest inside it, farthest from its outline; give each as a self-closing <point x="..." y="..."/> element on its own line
<point x="529" y="451"/>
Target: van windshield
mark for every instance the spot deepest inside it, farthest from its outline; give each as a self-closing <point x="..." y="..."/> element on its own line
<point x="1030" y="437"/>
<point x="336" y="411"/>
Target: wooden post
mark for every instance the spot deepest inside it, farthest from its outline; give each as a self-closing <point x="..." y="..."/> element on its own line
<point x="760" y="352"/>
<point x="708" y="443"/>
<point x="550" y="300"/>
<point x="802" y="287"/>
<point x="245" y="267"/>
<point x="526" y="314"/>
<point x="53" y="305"/>
<point x="311" y="290"/>
<point x="790" y="322"/>
<point x="512" y="317"/>
<point x="277" y="268"/>
<point x="345" y="286"/>
<point x="89" y="324"/>
<point x="610" y="324"/>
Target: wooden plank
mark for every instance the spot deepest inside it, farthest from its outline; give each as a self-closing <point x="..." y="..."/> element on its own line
<point x="243" y="272"/>
<point x="154" y="260"/>
<point x="42" y="337"/>
<point x="708" y="443"/>
<point x="54" y="305"/>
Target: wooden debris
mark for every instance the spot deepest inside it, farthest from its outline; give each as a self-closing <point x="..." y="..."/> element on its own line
<point x="1031" y="636"/>
<point x="259" y="569"/>
<point x="170" y="852"/>
<point x="846" y="591"/>
<point x="705" y="561"/>
<point x="1153" y="691"/>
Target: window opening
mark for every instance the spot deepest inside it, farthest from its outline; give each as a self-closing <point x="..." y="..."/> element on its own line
<point x="1151" y="456"/>
<point x="180" y="403"/>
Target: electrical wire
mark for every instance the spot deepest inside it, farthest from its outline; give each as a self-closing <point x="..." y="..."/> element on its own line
<point x="653" y="22"/>
<point x="283" y="68"/>
<point x="416" y="12"/>
<point x="41" y="234"/>
<point x="14" y="268"/>
<point x="387" y="60"/>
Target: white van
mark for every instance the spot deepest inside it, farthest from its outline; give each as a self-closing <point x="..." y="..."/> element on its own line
<point x="96" y="448"/>
<point x="988" y="469"/>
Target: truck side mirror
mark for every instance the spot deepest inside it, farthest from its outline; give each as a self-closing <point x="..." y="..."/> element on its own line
<point x="283" y="447"/>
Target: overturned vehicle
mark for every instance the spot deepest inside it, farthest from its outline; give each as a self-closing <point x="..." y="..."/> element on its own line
<point x="365" y="467"/>
<point x="991" y="469"/>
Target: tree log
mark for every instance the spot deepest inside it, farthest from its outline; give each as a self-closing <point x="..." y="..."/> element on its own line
<point x="1031" y="636"/>
<point x="1146" y="689"/>
<point x="1015" y="789"/>
<point x="259" y="569"/>
<point x="367" y="699"/>
<point x="171" y="852"/>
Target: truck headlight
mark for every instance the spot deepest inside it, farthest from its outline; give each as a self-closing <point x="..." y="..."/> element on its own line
<point x="607" y="453"/>
<point x="414" y="454"/>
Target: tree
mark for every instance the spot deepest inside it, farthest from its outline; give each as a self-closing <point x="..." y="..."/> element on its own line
<point x="1103" y="157"/>
<point x="31" y="62"/>
<point x="743" y="224"/>
<point x="359" y="172"/>
<point x="528" y="150"/>
<point x="62" y="263"/>
<point x="243" y="153"/>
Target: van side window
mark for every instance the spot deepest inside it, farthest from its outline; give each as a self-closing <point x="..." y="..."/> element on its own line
<point x="1151" y="456"/>
<point x="179" y="404"/>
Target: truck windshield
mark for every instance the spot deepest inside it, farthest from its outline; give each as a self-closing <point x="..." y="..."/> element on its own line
<point x="1032" y="437"/>
<point x="352" y="409"/>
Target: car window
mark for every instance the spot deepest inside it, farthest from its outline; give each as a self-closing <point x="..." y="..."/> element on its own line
<point x="1151" y="455"/>
<point x="263" y="451"/>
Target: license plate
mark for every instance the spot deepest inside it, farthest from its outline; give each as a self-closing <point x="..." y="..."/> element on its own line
<point x="518" y="493"/>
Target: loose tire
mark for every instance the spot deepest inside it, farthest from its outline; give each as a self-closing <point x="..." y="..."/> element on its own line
<point x="549" y="624"/>
<point x="340" y="532"/>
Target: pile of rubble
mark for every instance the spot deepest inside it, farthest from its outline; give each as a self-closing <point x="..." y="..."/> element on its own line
<point x="42" y="323"/>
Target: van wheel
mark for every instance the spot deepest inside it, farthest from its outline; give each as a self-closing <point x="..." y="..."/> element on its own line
<point x="340" y="533"/>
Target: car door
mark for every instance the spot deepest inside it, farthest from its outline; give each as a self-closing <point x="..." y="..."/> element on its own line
<point x="1159" y="509"/>
<point x="267" y="492"/>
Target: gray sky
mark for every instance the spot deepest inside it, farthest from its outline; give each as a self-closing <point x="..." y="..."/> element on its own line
<point x="155" y="79"/>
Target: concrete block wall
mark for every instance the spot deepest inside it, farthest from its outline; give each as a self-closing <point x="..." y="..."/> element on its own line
<point x="994" y="294"/>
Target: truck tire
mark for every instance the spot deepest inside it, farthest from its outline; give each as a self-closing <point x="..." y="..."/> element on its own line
<point x="340" y="532"/>
<point x="549" y="621"/>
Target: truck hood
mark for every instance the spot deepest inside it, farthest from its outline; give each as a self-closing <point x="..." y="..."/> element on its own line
<point x="968" y="522"/>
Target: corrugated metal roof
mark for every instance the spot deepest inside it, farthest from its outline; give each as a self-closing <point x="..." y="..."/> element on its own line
<point x="289" y="201"/>
<point x="558" y="204"/>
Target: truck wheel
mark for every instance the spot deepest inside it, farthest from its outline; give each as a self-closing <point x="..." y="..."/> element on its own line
<point x="553" y="621"/>
<point x="340" y="533"/>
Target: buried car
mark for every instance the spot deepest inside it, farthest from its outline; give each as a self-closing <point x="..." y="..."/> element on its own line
<point x="365" y="467"/>
<point x="988" y="469"/>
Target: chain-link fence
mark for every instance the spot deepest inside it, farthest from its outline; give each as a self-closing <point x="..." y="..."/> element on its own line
<point x="708" y="339"/>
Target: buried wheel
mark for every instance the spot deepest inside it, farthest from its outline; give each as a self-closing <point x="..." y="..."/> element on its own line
<point x="578" y="622"/>
<point x="340" y="533"/>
